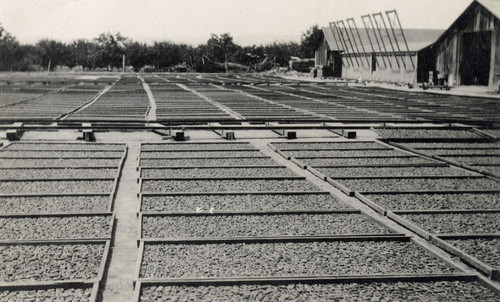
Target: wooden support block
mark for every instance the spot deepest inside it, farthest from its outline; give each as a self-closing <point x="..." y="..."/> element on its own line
<point x="179" y="136"/>
<point x="88" y="135"/>
<point x="348" y="133"/>
<point x="345" y="133"/>
<point x="15" y="134"/>
<point x="12" y="135"/>
<point x="291" y="135"/>
<point x="19" y="129"/>
<point x="230" y="136"/>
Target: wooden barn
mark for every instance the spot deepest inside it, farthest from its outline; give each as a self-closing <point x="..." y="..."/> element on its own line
<point x="467" y="53"/>
<point x="378" y="65"/>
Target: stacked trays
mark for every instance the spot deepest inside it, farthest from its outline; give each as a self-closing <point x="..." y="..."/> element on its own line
<point x="410" y="106"/>
<point x="174" y="103"/>
<point x="213" y="227"/>
<point x="479" y="155"/>
<point x="125" y="101"/>
<point x="252" y="108"/>
<point x="464" y="221"/>
<point x="56" y="201"/>
<point x="44" y="104"/>
<point x="339" y="105"/>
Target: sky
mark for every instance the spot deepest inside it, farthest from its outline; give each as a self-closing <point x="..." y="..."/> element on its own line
<point x="192" y="21"/>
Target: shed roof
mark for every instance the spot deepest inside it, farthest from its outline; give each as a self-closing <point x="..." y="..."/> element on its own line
<point x="417" y="39"/>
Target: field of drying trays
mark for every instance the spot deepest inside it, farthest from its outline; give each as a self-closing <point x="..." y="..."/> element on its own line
<point x="405" y="212"/>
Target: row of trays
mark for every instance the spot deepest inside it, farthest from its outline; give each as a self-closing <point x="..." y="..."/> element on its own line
<point x="57" y="222"/>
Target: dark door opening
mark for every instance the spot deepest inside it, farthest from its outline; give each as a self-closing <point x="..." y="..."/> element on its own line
<point x="374" y="62"/>
<point x="476" y="59"/>
<point x="337" y="64"/>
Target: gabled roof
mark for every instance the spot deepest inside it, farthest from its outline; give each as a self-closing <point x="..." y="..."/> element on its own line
<point x="493" y="6"/>
<point x="417" y="39"/>
<point x="330" y="39"/>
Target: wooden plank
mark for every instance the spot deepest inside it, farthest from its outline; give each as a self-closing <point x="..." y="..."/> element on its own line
<point x="283" y="154"/>
<point x="227" y="178"/>
<point x="104" y="261"/>
<point x="384" y="165"/>
<point x="210" y="167"/>
<point x="204" y="157"/>
<point x="275" y="239"/>
<point x="492" y="272"/>
<point x="55" y="194"/>
<point x="35" y="215"/>
<point x="137" y="291"/>
<point x="432" y="192"/>
<point x="370" y="203"/>
<point x="438" y="255"/>
<point x="247" y="213"/>
<point x="202" y="150"/>
<point x="309" y="279"/>
<point x="33" y="286"/>
<point x="340" y="186"/>
<point x="298" y="163"/>
<point x="60" y="157"/>
<point x="409" y="225"/>
<point x="410" y="177"/>
<point x="58" y="179"/>
<point x="138" y="262"/>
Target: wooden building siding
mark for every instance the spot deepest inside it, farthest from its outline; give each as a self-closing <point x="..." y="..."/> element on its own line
<point x="449" y="47"/>
<point x="369" y="70"/>
<point x="495" y="58"/>
<point x="321" y="54"/>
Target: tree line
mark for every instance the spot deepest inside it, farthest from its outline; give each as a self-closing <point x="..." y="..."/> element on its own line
<point x="220" y="53"/>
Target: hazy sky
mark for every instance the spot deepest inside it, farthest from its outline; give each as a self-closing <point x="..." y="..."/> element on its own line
<point x="192" y="21"/>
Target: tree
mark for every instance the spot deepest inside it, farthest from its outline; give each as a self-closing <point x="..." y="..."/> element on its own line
<point x="84" y="54"/>
<point x="164" y="55"/>
<point x="222" y="48"/>
<point x="281" y="53"/>
<point x="52" y="53"/>
<point x="137" y="54"/>
<point x="310" y="41"/>
<point x="8" y="49"/>
<point x="110" y="49"/>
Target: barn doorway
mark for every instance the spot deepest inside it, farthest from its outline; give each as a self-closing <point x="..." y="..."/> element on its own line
<point x="476" y="59"/>
<point x="337" y="64"/>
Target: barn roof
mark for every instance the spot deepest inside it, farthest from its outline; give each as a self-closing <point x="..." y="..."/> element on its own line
<point x="493" y="6"/>
<point x="417" y="39"/>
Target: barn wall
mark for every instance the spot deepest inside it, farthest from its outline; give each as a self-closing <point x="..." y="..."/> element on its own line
<point x="495" y="58"/>
<point x="321" y="54"/>
<point x="388" y="72"/>
<point x="356" y="66"/>
<point x="448" y="49"/>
